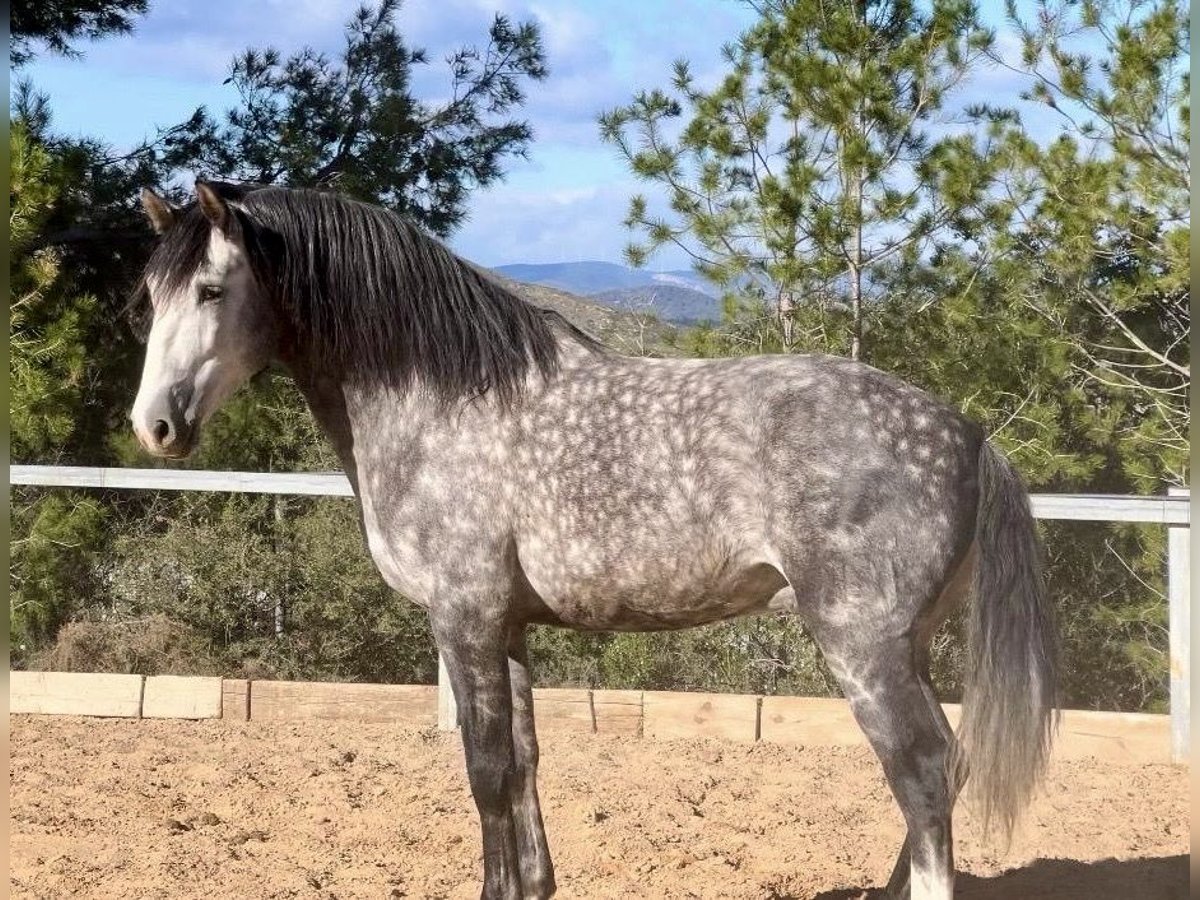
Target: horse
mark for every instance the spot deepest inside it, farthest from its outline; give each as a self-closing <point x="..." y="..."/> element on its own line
<point x="511" y="470"/>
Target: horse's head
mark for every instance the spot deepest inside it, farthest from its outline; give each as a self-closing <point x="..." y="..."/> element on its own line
<point x="213" y="326"/>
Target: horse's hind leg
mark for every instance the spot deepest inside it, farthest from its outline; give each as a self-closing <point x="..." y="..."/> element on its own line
<point x="537" y="870"/>
<point x="898" y="884"/>
<point x="890" y="705"/>
<point x="954" y="593"/>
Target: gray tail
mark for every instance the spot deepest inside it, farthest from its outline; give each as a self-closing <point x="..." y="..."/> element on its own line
<point x="1010" y="692"/>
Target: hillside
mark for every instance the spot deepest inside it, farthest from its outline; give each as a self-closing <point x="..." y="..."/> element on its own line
<point x="632" y="333"/>
<point x="669" y="302"/>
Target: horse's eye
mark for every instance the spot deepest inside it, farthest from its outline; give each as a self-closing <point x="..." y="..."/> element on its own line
<point x="211" y="292"/>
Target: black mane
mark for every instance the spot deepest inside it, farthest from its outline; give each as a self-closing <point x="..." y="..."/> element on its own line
<point x="372" y="297"/>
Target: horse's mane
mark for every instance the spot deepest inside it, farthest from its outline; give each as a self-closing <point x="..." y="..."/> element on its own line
<point x="372" y="297"/>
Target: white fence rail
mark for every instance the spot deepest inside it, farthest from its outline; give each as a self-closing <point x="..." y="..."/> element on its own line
<point x="1169" y="510"/>
<point x="319" y="484"/>
<point x="1173" y="510"/>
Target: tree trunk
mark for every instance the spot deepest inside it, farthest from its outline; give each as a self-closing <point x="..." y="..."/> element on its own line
<point x="783" y="310"/>
<point x="856" y="277"/>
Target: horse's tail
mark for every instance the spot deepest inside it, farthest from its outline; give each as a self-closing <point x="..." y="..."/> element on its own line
<point x="1010" y="692"/>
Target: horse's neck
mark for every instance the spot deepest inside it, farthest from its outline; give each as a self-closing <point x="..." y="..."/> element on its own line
<point x="370" y="427"/>
<point x="327" y="401"/>
<point x="383" y="429"/>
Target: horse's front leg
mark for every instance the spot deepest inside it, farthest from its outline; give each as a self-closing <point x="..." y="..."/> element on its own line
<point x="476" y="655"/>
<point x="537" y="870"/>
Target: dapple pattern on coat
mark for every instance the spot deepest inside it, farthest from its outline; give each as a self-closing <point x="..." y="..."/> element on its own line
<point x="510" y="470"/>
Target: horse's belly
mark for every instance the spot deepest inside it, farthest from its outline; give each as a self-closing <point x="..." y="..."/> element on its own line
<point x="651" y="594"/>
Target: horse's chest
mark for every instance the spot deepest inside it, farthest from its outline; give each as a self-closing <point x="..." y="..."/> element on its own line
<point x="405" y="537"/>
<point x="400" y="563"/>
<point x="428" y="536"/>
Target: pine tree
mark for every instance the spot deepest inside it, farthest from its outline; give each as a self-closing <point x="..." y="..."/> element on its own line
<point x="58" y="24"/>
<point x="354" y="123"/>
<point x="48" y="319"/>
<point x="812" y="164"/>
<point x="1105" y="232"/>
<point x="54" y="538"/>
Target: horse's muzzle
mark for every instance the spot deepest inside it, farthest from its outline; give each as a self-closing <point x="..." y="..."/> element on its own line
<point x="163" y="430"/>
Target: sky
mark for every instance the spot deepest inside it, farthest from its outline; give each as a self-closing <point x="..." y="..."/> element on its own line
<point x="565" y="202"/>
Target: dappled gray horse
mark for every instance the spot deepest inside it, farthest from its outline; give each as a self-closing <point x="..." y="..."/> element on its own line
<point x="511" y="470"/>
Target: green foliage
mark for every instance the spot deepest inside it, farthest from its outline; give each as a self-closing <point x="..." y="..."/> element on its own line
<point x="155" y="645"/>
<point x="47" y="318"/>
<point x="1105" y="224"/>
<point x="273" y="587"/>
<point x="55" y="540"/>
<point x="1107" y="583"/>
<point x="97" y="238"/>
<point x="54" y="558"/>
<point x="354" y="123"/>
<point x="769" y="655"/>
<point x="961" y="331"/>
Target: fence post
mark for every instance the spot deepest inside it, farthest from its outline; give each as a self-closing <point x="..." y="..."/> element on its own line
<point x="447" y="708"/>
<point x="1179" y="593"/>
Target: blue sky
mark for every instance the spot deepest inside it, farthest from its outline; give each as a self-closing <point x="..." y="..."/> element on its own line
<point x="565" y="202"/>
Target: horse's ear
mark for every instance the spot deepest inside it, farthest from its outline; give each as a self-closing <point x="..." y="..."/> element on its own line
<point x="160" y="213"/>
<point x="215" y="209"/>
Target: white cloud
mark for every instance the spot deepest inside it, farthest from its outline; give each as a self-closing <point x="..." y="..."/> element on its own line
<point x="197" y="41"/>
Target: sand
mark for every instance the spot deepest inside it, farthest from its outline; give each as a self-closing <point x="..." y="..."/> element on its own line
<point x="174" y="809"/>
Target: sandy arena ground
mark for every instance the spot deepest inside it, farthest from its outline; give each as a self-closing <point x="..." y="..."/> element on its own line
<point x="170" y="809"/>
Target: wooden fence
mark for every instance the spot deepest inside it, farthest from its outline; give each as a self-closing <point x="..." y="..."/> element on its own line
<point x="1133" y="738"/>
<point x="1172" y="510"/>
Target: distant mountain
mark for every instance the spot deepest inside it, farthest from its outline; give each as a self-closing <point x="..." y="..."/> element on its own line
<point x="590" y="277"/>
<point x="669" y="302"/>
<point x="580" y="278"/>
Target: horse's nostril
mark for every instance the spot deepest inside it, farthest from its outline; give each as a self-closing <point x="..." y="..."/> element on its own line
<point x="162" y="430"/>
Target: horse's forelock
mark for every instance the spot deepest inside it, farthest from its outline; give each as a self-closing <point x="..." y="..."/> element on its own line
<point x="180" y="252"/>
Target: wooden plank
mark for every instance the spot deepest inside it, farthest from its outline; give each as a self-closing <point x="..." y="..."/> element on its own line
<point x="181" y="697"/>
<point x="1179" y="597"/>
<point x="617" y="712"/>
<point x="563" y="709"/>
<point x="669" y="714"/>
<point x="953" y="713"/>
<point x="816" y="721"/>
<point x="1113" y="737"/>
<point x="1134" y="738"/>
<point x="75" y="694"/>
<point x="235" y="699"/>
<point x="414" y="704"/>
